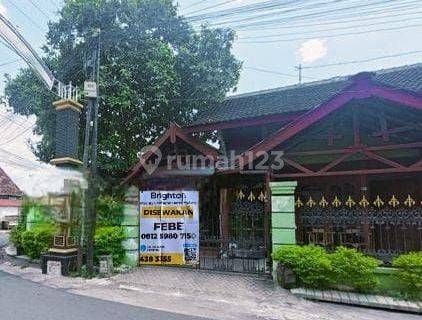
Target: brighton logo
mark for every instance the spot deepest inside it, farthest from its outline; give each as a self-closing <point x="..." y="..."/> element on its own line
<point x="151" y="157"/>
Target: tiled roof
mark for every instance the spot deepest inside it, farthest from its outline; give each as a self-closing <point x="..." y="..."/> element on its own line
<point x="303" y="97"/>
<point x="7" y="186"/>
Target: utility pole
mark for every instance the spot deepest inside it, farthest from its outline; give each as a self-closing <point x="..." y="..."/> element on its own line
<point x="300" y="69"/>
<point x="90" y="152"/>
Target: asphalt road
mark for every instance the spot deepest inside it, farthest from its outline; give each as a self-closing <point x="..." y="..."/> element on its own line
<point x="24" y="300"/>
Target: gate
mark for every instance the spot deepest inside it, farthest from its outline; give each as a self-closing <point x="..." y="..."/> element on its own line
<point x="244" y="250"/>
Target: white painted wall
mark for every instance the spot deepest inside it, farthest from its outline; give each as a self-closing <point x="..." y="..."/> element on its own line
<point x="8" y="211"/>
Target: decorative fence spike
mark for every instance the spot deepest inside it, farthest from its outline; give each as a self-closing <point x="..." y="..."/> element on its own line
<point x="364" y="202"/>
<point x="409" y="202"/>
<point x="378" y="202"/>
<point x="251" y="197"/>
<point x="262" y="197"/>
<point x="323" y="203"/>
<point x="336" y="202"/>
<point x="350" y="202"/>
<point x="240" y="195"/>
<point x="393" y="201"/>
<point x="310" y="203"/>
<point x="298" y="203"/>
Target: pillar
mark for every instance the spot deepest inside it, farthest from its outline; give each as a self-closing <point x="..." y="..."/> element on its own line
<point x="67" y="133"/>
<point x="131" y="227"/>
<point x="283" y="220"/>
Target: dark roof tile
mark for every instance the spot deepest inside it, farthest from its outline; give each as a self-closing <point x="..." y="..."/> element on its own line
<point x="7" y="186"/>
<point x="302" y="97"/>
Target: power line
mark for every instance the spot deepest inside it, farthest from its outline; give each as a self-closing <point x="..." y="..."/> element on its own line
<point x="213" y="6"/>
<point x="39" y="9"/>
<point x="334" y="35"/>
<point x="364" y="60"/>
<point x="10" y="62"/>
<point x="332" y="29"/>
<point x="26" y="16"/>
<point x="335" y="22"/>
<point x="275" y="72"/>
<point x="195" y="4"/>
<point x="323" y="13"/>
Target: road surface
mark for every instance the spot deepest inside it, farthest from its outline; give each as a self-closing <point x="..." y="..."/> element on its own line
<point x="24" y="300"/>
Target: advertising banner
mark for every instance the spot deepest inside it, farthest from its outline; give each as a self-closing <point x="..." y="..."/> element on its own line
<point x="169" y="227"/>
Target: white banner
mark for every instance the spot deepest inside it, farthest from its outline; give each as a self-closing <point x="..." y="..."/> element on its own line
<point x="169" y="227"/>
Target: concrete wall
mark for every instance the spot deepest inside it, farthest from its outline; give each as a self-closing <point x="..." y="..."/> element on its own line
<point x="8" y="211"/>
<point x="283" y="222"/>
<point x="131" y="227"/>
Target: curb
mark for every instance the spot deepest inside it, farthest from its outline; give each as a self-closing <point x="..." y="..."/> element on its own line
<point x="362" y="300"/>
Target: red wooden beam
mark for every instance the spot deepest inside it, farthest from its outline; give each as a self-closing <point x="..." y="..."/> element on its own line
<point x="296" y="165"/>
<point x="417" y="164"/>
<point x="379" y="158"/>
<point x="337" y="161"/>
<point x="349" y="173"/>
<point x="412" y="145"/>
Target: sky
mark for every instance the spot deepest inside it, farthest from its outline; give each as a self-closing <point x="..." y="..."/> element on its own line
<point x="277" y="59"/>
<point x="31" y="17"/>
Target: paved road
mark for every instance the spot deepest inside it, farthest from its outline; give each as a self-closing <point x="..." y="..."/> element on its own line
<point x="23" y="300"/>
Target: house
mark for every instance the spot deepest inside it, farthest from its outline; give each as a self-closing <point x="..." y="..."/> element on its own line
<point x="334" y="162"/>
<point x="10" y="200"/>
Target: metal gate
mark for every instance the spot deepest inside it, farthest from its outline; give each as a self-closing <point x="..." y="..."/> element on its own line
<point x="244" y="251"/>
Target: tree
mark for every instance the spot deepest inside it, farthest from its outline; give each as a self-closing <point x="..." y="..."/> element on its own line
<point x="155" y="69"/>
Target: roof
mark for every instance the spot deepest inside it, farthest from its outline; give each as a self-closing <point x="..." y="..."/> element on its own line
<point x="171" y="134"/>
<point x="7" y="186"/>
<point x="303" y="97"/>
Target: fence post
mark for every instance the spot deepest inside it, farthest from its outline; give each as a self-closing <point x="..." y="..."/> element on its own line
<point x="283" y="220"/>
<point x="131" y="227"/>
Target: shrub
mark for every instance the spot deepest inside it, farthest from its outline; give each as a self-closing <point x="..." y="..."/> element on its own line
<point x="16" y="236"/>
<point x="310" y="264"/>
<point x="409" y="273"/>
<point x="38" y="240"/>
<point x="109" y="211"/>
<point x="108" y="241"/>
<point x="354" y="269"/>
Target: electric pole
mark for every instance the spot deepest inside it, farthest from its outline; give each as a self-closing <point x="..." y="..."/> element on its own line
<point x="90" y="150"/>
<point x="300" y="69"/>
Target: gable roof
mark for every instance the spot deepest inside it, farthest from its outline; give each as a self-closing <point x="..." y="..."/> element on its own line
<point x="7" y="186"/>
<point x="300" y="98"/>
<point x="175" y="131"/>
<point x="362" y="86"/>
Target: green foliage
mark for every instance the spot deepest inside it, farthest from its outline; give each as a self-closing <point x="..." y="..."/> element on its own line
<point x="354" y="269"/>
<point x="109" y="211"/>
<point x="38" y="240"/>
<point x="409" y="273"/>
<point x="310" y="264"/>
<point x="155" y="69"/>
<point x="315" y="268"/>
<point x="108" y="241"/>
<point x="16" y="236"/>
<point x="31" y="210"/>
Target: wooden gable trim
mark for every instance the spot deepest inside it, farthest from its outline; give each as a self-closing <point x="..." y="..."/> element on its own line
<point x="361" y="88"/>
<point x="174" y="132"/>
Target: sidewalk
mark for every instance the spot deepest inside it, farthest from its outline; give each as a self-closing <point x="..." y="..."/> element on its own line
<point x="201" y="293"/>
